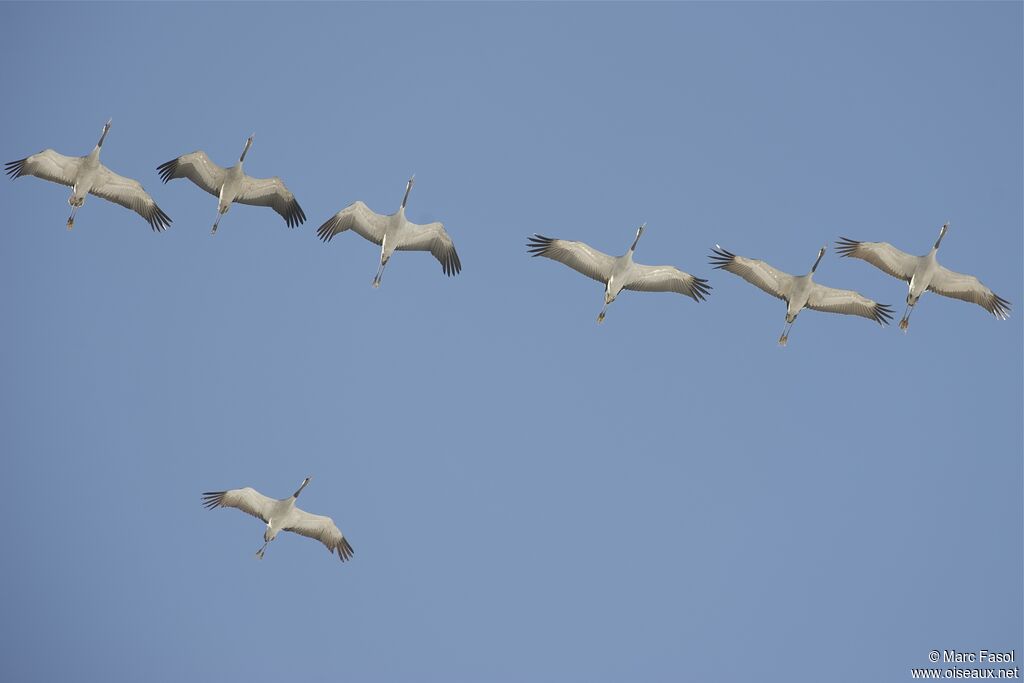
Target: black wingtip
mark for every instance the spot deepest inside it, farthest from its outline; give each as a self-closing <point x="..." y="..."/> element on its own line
<point x="701" y="289"/>
<point x="167" y="169"/>
<point x="845" y="246"/>
<point x="326" y="231"/>
<point x="883" y="314"/>
<point x="15" y="169"/>
<point x="536" y="244"/>
<point x="294" y="215"/>
<point x="720" y="258"/>
<point x="452" y="265"/>
<point x="211" y="499"/>
<point x="158" y="220"/>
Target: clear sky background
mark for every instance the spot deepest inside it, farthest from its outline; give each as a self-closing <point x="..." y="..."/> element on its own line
<point x="530" y="496"/>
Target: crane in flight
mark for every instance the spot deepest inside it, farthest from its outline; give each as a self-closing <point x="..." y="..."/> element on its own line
<point x="393" y="232"/>
<point x="618" y="272"/>
<point x="282" y="515"/>
<point x="86" y="175"/>
<point x="801" y="291"/>
<point x="231" y="185"/>
<point x="924" y="274"/>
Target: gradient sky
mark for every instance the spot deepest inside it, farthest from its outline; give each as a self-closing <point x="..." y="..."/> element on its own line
<point x="531" y="496"/>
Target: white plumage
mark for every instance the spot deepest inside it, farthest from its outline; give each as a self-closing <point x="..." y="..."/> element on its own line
<point x="924" y="274"/>
<point x="393" y="232"/>
<point x="799" y="292"/>
<point x="618" y="272"/>
<point x="231" y="185"/>
<point x="282" y="515"/>
<point x="86" y="175"/>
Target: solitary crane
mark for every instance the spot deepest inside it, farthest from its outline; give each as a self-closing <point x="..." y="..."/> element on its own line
<point x="618" y="272"/>
<point x="924" y="274"/>
<point x="394" y="232"/>
<point x="799" y="292"/>
<point x="86" y="175"/>
<point x="282" y="515"/>
<point x="230" y="185"/>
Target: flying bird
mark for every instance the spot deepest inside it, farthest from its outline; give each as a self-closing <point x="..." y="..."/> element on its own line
<point x="394" y="232"/>
<point x="618" y="272"/>
<point x="86" y="175"/>
<point x="924" y="274"/>
<point x="230" y="185"/>
<point x="282" y="515"/>
<point x="799" y="292"/>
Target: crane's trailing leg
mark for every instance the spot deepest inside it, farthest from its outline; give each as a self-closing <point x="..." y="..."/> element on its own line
<point x="216" y="222"/>
<point x="600" y="316"/>
<point x="74" y="208"/>
<point x="380" y="272"/>
<point x="261" y="551"/>
<point x="905" y="322"/>
<point x="785" y="334"/>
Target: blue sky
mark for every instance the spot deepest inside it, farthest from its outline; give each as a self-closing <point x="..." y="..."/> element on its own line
<point x="530" y="496"/>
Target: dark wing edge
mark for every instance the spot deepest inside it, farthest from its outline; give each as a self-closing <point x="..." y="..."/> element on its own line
<point x="15" y="169"/>
<point x="213" y="499"/>
<point x="538" y="245"/>
<point x="168" y="170"/>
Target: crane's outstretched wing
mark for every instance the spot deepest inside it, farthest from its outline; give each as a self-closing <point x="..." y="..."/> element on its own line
<point x="433" y="238"/>
<point x="848" y="302"/>
<point x="48" y="165"/>
<point x="322" y="529"/>
<point x="130" y="194"/>
<point x="969" y="288"/>
<point x="358" y="217"/>
<point x="248" y="500"/>
<point x="756" y="272"/>
<point x="273" y="193"/>
<point x="667" y="279"/>
<point x="198" y="168"/>
<point x="579" y="256"/>
<point x="881" y="255"/>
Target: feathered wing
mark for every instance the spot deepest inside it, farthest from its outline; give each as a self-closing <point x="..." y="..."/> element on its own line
<point x="881" y="255"/>
<point x="248" y="500"/>
<point x="969" y="288"/>
<point x="358" y="217"/>
<point x="579" y="256"/>
<point x="433" y="238"/>
<point x="667" y="279"/>
<point x="756" y="272"/>
<point x="322" y="529"/>
<point x="198" y="168"/>
<point x="273" y="193"/>
<point x="130" y="194"/>
<point x="48" y="165"/>
<point x="848" y="302"/>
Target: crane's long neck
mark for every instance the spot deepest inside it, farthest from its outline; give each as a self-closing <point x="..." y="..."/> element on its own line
<point x="821" y="253"/>
<point x="942" y="233"/>
<point x="248" y="144"/>
<point x="408" y="189"/>
<point x="304" y="484"/>
<point x="102" y="136"/>
<point x="639" y="232"/>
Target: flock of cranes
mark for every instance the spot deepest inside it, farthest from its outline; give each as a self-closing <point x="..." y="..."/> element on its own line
<point x="86" y="175"/>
